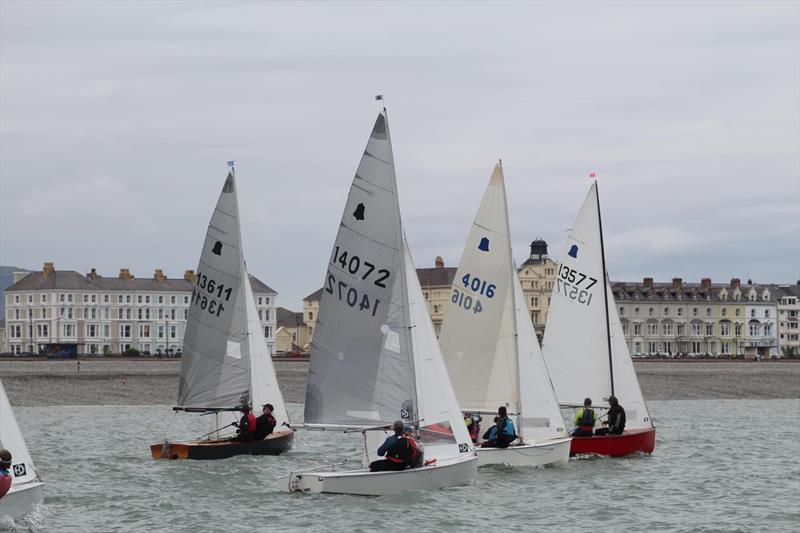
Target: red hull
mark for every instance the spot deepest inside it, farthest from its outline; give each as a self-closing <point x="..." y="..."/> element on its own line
<point x="633" y="441"/>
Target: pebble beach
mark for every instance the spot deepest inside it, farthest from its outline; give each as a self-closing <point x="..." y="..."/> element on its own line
<point x="145" y="381"/>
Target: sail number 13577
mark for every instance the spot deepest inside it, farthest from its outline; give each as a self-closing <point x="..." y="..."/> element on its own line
<point x="569" y="283"/>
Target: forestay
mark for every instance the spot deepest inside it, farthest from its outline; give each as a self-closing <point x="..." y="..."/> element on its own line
<point x="361" y="372"/>
<point x="22" y="468"/>
<point x="576" y="339"/>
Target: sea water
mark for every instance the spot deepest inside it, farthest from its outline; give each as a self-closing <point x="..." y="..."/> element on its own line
<point x="725" y="465"/>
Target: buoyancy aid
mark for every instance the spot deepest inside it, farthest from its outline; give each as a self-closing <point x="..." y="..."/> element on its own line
<point x="5" y="482"/>
<point x="251" y="422"/>
<point x="508" y="428"/>
<point x="402" y="451"/>
<point x="587" y="420"/>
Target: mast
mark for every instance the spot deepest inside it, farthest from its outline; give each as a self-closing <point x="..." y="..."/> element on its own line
<point x="512" y="280"/>
<point x="403" y="281"/>
<point x="605" y="288"/>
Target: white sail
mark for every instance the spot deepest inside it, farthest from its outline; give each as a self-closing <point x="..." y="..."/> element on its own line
<point x="541" y="414"/>
<point x="442" y="424"/>
<point x="576" y="346"/>
<point x="22" y="468"/>
<point x="361" y="372"/>
<point x="263" y="381"/>
<point x="487" y="337"/>
<point x="477" y="334"/>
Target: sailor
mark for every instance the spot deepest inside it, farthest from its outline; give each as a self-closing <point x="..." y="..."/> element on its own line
<point x="502" y="433"/>
<point x="616" y="417"/>
<point x="265" y="423"/>
<point x="5" y="474"/>
<point x="473" y="426"/>
<point x="246" y="425"/>
<point x="584" y="420"/>
<point x="399" y="449"/>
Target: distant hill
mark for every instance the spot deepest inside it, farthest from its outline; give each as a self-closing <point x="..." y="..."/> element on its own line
<point x="6" y="280"/>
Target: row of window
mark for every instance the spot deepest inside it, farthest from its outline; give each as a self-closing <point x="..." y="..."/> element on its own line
<point x="651" y="312"/>
<point x="121" y="298"/>
<point x="698" y="330"/>
<point x="691" y="347"/>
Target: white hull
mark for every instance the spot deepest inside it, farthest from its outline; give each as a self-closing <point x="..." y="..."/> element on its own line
<point x="22" y="499"/>
<point x="553" y="452"/>
<point x="445" y="473"/>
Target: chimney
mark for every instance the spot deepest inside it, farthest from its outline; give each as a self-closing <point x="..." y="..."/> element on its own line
<point x="48" y="269"/>
<point x="92" y="275"/>
<point x="648" y="282"/>
<point x="159" y="275"/>
<point x="677" y="283"/>
<point x="439" y="262"/>
<point x="125" y="274"/>
<point x="705" y="283"/>
<point x="19" y="276"/>
<point x="749" y="281"/>
<point x="189" y="276"/>
<point x="736" y="283"/>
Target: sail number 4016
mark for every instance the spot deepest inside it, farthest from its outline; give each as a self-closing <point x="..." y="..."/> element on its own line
<point x="350" y="296"/>
<point x="478" y="286"/>
<point x="466" y="301"/>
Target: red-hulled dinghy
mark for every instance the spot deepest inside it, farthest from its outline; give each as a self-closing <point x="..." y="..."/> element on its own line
<point x="584" y="345"/>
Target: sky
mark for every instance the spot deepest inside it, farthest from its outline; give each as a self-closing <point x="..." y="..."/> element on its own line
<point x="117" y="120"/>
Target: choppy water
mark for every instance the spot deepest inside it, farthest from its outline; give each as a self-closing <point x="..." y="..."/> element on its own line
<point x="729" y="465"/>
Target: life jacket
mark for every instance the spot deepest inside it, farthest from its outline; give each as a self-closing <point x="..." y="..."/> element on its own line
<point x="251" y="422"/>
<point x="508" y="428"/>
<point x="403" y="451"/>
<point x="587" y="420"/>
<point x="5" y="484"/>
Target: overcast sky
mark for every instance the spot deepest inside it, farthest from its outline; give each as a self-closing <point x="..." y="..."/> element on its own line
<point x="118" y="118"/>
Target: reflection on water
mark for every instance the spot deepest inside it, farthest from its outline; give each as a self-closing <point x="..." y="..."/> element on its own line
<point x="728" y="465"/>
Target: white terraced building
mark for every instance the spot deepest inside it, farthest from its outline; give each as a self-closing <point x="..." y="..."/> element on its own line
<point x="64" y="312"/>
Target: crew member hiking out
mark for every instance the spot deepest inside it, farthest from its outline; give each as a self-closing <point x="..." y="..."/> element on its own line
<point x="265" y="423"/>
<point x="246" y="425"/>
<point x="399" y="449"/>
<point x="584" y="420"/>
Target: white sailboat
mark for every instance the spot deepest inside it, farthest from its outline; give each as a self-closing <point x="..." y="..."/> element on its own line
<point x="490" y="346"/>
<point x="584" y="345"/>
<point x="375" y="358"/>
<point x="27" y="489"/>
<point x="225" y="362"/>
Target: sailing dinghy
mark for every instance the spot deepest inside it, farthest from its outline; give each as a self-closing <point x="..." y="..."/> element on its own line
<point x="584" y="346"/>
<point x="225" y="363"/>
<point x="27" y="489"/>
<point x="375" y="358"/>
<point x="490" y="346"/>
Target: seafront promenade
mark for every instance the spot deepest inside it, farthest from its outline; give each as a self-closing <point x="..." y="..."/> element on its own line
<point x="146" y="381"/>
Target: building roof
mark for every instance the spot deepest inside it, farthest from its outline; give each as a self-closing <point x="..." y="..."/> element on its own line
<point x="69" y="280"/>
<point x="314" y="296"/>
<point x="786" y="290"/>
<point x="436" y="277"/>
<point x="680" y="291"/>
<point x="288" y="318"/>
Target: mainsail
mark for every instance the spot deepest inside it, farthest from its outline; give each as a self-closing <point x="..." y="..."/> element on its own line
<point x="225" y="358"/>
<point x="578" y="336"/>
<point x="487" y="337"/>
<point x="375" y="358"/>
<point x="361" y="371"/>
<point x="22" y="469"/>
